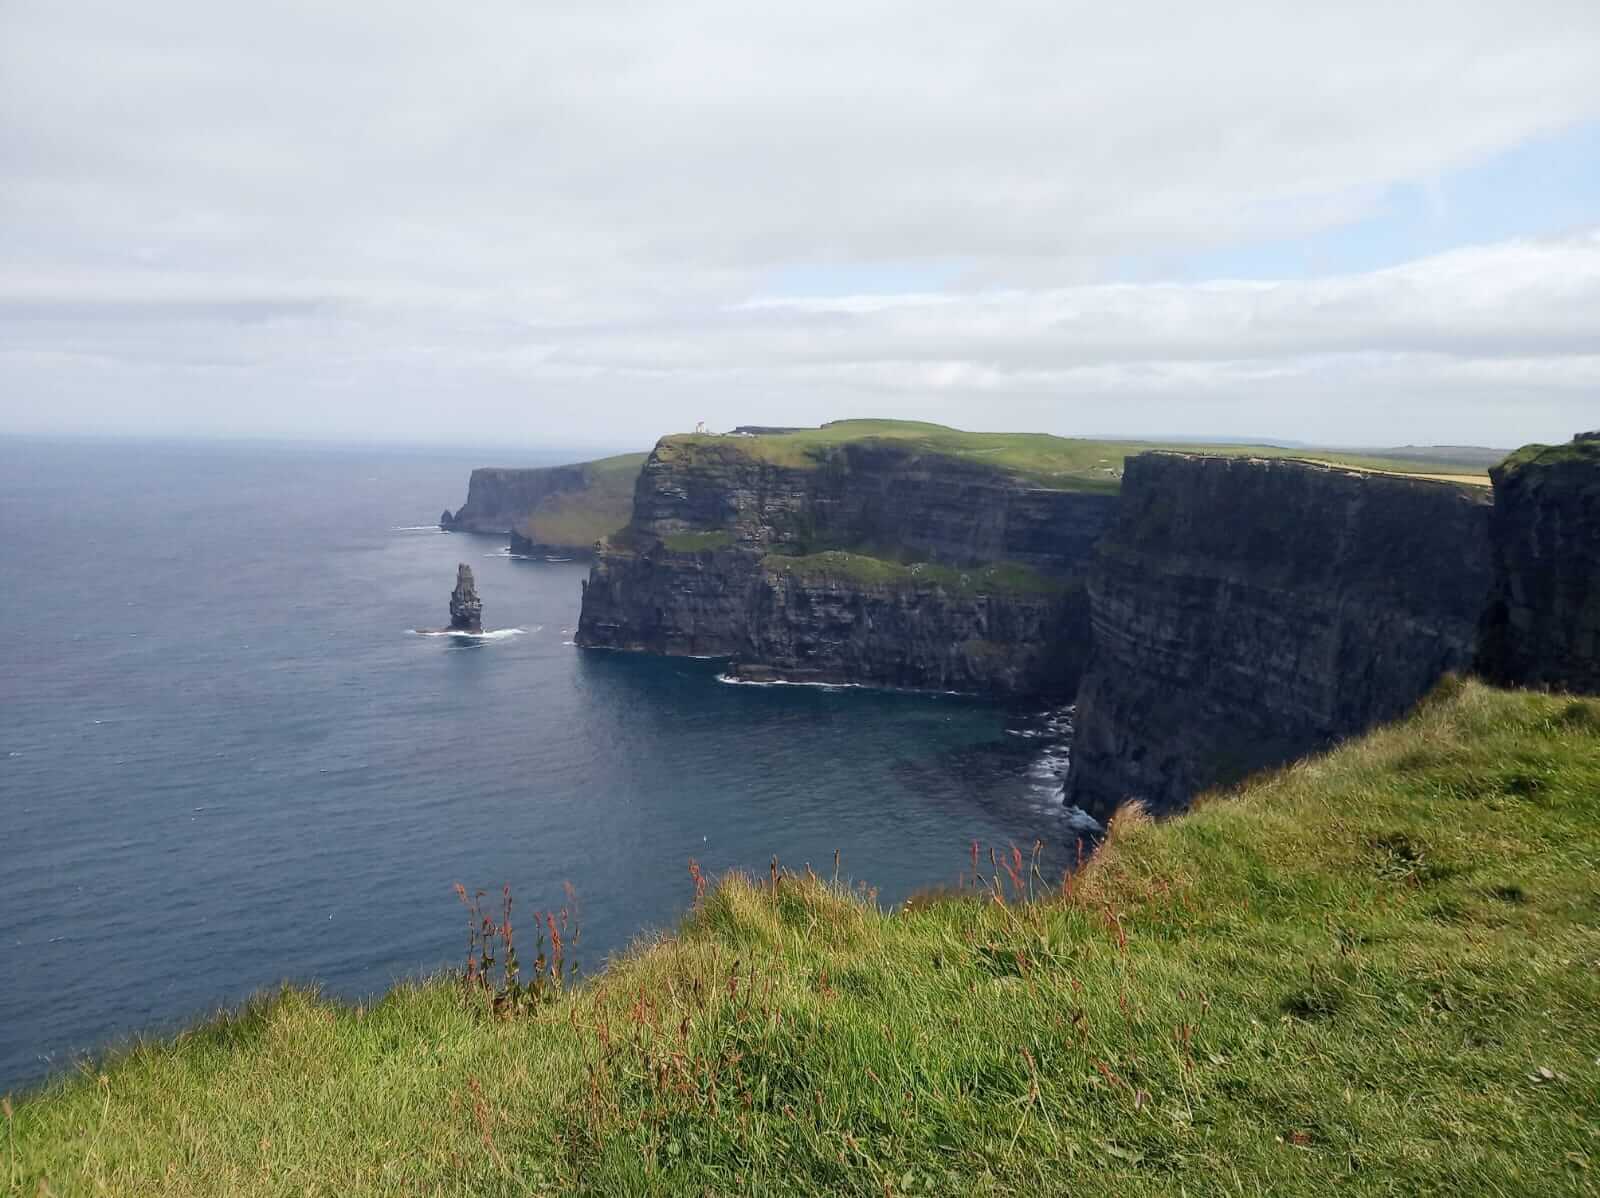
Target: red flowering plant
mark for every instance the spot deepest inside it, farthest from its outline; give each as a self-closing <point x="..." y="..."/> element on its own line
<point x="493" y="969"/>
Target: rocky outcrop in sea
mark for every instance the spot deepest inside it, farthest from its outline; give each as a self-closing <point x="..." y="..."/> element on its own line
<point x="466" y="609"/>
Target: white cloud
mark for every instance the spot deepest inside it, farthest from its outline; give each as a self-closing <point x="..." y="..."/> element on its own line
<point x="341" y="219"/>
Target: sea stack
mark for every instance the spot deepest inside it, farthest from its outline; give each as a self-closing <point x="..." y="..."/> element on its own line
<point x="466" y="609"/>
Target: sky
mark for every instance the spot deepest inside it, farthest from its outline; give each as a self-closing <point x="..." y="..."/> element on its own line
<point x="592" y="224"/>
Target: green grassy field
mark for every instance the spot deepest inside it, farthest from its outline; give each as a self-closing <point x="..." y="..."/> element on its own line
<point x="577" y="519"/>
<point x="1061" y="462"/>
<point x="1374" y="972"/>
<point x="1574" y="452"/>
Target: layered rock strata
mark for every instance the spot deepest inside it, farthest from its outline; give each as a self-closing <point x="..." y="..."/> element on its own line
<point x="1542" y="624"/>
<point x="1247" y="612"/>
<point x="466" y="609"/>
<point x="869" y="562"/>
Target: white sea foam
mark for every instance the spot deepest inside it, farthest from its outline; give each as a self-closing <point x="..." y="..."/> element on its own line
<point x="417" y="528"/>
<point x="1046" y="772"/>
<point x="497" y="634"/>
<point x="1080" y="820"/>
<point x="734" y="680"/>
<point x="1050" y="765"/>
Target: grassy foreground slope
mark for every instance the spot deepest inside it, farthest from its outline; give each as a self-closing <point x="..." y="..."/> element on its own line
<point x="1065" y="463"/>
<point x="1376" y="971"/>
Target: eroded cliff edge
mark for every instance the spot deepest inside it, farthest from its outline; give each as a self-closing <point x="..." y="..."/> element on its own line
<point x="550" y="509"/>
<point x="1542" y="625"/>
<point x="1248" y="611"/>
<point x="865" y="560"/>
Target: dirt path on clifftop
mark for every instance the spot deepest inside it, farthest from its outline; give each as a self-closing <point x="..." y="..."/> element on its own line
<point x="1469" y="480"/>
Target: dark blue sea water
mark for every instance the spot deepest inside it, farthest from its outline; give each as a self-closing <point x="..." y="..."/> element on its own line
<point x="226" y="761"/>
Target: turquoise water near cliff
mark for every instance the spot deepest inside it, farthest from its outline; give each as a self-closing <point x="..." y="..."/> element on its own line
<point x="226" y="760"/>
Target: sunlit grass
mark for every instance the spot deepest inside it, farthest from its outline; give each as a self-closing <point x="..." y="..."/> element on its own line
<point x="1061" y="463"/>
<point x="577" y="519"/>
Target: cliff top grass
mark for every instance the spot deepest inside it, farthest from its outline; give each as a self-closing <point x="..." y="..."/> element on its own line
<point x="1582" y="450"/>
<point x="1039" y="459"/>
<point x="622" y="463"/>
<point x="1363" y="466"/>
<point x="1374" y="972"/>
<point x="580" y="518"/>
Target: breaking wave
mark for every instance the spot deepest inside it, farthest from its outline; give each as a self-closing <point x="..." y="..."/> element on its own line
<point x="735" y="680"/>
<point x="1047" y="770"/>
<point x="1080" y="820"/>
<point x="497" y="634"/>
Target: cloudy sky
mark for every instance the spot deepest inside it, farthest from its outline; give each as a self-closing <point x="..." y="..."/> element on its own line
<point x="527" y="223"/>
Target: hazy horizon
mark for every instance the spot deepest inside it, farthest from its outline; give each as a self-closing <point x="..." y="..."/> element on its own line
<point x="383" y="224"/>
<point x="569" y="451"/>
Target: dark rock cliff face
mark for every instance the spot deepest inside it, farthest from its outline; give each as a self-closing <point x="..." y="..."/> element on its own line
<point x="466" y="609"/>
<point x="795" y="570"/>
<point x="827" y="625"/>
<point x="1542" y="624"/>
<point x="866" y="495"/>
<point x="553" y="510"/>
<point x="523" y="545"/>
<point x="1247" y="612"/>
<point x="498" y="500"/>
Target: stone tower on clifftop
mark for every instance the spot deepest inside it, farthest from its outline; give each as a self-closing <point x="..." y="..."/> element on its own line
<point x="466" y="609"/>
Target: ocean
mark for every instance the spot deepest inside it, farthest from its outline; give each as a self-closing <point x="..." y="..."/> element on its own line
<point x="227" y="760"/>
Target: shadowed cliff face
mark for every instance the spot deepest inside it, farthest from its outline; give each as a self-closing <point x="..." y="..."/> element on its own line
<point x="552" y="509"/>
<point x="1542" y="625"/>
<point x="499" y="500"/>
<point x="874" y="564"/>
<point x="830" y="625"/>
<point x="1247" y="612"/>
<point x="868" y="495"/>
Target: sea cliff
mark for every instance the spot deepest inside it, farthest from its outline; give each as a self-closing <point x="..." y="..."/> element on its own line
<point x="863" y="559"/>
<point x="549" y="509"/>
<point x="1247" y="612"/>
<point x="499" y="498"/>
<point x="1542" y="625"/>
